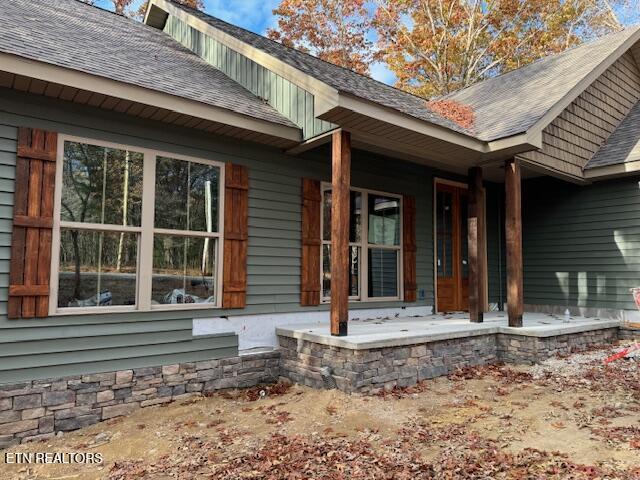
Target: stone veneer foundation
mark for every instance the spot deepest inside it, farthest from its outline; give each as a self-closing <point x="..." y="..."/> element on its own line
<point x="38" y="409"/>
<point x="369" y="370"/>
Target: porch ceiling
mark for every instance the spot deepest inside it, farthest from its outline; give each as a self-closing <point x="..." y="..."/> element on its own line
<point x="436" y="147"/>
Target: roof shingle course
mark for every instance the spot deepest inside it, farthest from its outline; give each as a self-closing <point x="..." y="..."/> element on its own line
<point x="623" y="145"/>
<point x="342" y="79"/>
<point x="72" y="34"/>
<point x="512" y="103"/>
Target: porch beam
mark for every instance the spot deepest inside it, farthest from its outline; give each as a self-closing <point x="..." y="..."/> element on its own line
<point x="340" y="197"/>
<point x="513" y="229"/>
<point x="476" y="246"/>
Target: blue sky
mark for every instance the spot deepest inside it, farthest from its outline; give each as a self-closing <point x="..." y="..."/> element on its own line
<point x="257" y="16"/>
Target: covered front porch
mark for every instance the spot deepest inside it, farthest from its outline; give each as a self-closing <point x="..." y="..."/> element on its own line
<point x="395" y="332"/>
<point x="467" y="284"/>
<point x="400" y="352"/>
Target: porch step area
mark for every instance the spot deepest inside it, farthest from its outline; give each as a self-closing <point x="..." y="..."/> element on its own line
<point x="381" y="354"/>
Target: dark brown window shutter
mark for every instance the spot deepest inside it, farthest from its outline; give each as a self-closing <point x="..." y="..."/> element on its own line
<point x="30" y="268"/>
<point x="236" y="234"/>
<point x="310" y="261"/>
<point x="409" y="248"/>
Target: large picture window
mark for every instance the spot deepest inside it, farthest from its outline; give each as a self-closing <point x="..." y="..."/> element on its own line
<point x="135" y="229"/>
<point x="374" y="245"/>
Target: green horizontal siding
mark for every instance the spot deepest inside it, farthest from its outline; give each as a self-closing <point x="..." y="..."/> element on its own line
<point x="63" y="345"/>
<point x="57" y="346"/>
<point x="581" y="243"/>
<point x="496" y="260"/>
<point x="290" y="100"/>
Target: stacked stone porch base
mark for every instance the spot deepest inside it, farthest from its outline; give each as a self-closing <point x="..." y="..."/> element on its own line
<point x="370" y="370"/>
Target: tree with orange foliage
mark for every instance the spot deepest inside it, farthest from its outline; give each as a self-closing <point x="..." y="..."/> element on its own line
<point x="437" y="46"/>
<point x="333" y="30"/>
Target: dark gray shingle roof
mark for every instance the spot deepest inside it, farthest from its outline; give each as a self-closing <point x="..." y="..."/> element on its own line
<point x="512" y="103"/>
<point x="342" y="79"/>
<point x="623" y="145"/>
<point x="71" y="34"/>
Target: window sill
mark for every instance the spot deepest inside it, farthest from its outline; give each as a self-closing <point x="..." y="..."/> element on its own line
<point x="327" y="301"/>
<point x="72" y="311"/>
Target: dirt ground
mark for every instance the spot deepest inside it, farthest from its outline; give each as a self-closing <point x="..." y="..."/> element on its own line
<point x="570" y="418"/>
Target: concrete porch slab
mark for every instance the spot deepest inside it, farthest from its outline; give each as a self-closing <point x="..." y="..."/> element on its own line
<point x="368" y="334"/>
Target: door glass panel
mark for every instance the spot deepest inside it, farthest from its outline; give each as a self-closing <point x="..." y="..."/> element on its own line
<point x="464" y="237"/>
<point x="444" y="223"/>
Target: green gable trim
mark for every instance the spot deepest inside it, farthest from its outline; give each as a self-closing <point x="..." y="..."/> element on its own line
<point x="287" y="98"/>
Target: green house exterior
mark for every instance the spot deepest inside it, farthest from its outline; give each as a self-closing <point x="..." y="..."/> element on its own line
<point x="272" y="110"/>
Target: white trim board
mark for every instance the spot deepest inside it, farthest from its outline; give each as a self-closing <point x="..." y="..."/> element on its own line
<point x="256" y="331"/>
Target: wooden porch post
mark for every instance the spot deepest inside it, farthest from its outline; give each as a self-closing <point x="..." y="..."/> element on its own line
<point x="477" y="246"/>
<point x="340" y="197"/>
<point x="513" y="229"/>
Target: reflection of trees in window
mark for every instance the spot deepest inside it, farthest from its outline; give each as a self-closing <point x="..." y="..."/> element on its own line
<point x="377" y="250"/>
<point x="101" y="228"/>
<point x="186" y="195"/>
<point x="99" y="186"/>
<point x="186" y="223"/>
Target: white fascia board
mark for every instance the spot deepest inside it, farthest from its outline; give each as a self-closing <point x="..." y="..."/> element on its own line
<point x="93" y="83"/>
<point x="610" y="171"/>
<point x="402" y="120"/>
<point x="325" y="97"/>
<point x="524" y="141"/>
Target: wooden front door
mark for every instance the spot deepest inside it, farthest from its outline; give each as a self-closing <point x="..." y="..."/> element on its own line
<point x="452" y="262"/>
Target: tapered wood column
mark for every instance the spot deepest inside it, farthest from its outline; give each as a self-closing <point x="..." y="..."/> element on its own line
<point x="477" y="246"/>
<point x="513" y="229"/>
<point x="340" y="197"/>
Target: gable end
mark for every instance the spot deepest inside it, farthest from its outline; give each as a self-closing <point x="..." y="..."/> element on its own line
<point x="573" y="138"/>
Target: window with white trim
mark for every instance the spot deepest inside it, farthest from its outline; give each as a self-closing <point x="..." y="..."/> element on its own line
<point x="375" y="245"/>
<point x="135" y="229"/>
